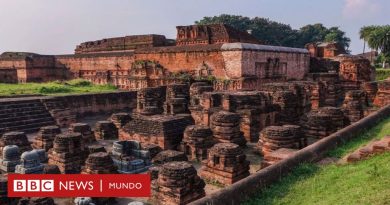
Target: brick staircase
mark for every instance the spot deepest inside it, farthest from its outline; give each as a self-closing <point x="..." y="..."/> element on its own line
<point x="374" y="147"/>
<point x="60" y="111"/>
<point x="26" y="115"/>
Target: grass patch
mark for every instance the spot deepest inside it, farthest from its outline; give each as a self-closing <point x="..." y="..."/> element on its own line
<point x="76" y="86"/>
<point x="382" y="74"/>
<point x="377" y="132"/>
<point x="365" y="182"/>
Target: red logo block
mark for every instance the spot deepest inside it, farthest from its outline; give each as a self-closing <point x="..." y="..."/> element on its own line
<point x="78" y="185"/>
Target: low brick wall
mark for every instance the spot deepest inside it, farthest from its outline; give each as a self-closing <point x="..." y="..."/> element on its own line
<point x="66" y="109"/>
<point x="245" y="188"/>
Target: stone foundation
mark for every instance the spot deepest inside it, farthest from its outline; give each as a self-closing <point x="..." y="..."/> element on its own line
<point x="164" y="131"/>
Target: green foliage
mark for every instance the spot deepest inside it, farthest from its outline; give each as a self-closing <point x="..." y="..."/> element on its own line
<point x="378" y="132"/>
<point x="378" y="38"/>
<point x="382" y="74"/>
<point x="54" y="88"/>
<point x="210" y="78"/>
<point x="275" y="33"/>
<point x="79" y="83"/>
<point x="364" y="182"/>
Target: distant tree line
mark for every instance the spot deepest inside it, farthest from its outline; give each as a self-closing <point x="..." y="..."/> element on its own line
<point x="275" y="33"/>
<point x="377" y="38"/>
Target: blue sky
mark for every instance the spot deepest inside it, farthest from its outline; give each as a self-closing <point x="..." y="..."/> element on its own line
<point x="56" y="27"/>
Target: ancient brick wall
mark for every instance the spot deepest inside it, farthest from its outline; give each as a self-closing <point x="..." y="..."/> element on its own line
<point x="122" y="43"/>
<point x="270" y="66"/>
<point x="189" y="61"/>
<point x="8" y="75"/>
<point x="65" y="109"/>
<point x="92" y="62"/>
<point x="18" y="64"/>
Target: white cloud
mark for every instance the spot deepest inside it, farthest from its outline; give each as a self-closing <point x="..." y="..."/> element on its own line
<point x="360" y="8"/>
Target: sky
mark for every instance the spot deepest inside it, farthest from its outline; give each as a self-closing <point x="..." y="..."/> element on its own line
<point x="57" y="26"/>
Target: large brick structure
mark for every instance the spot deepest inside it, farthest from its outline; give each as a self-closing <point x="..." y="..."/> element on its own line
<point x="234" y="57"/>
<point x="325" y="49"/>
<point x="30" y="67"/>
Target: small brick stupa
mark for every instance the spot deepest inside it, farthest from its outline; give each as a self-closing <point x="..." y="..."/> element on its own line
<point x="197" y="139"/>
<point x="226" y="128"/>
<point x="177" y="183"/>
<point x="85" y="130"/>
<point x="276" y="137"/>
<point x="120" y="119"/>
<point x="45" y="137"/>
<point x="320" y="123"/>
<point x="15" y="138"/>
<point x="68" y="153"/>
<point x="106" y="130"/>
<point x="99" y="163"/>
<point x="226" y="163"/>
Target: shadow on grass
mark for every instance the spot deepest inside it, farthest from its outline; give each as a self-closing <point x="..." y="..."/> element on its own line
<point x="377" y="132"/>
<point x="279" y="189"/>
<point x="273" y="193"/>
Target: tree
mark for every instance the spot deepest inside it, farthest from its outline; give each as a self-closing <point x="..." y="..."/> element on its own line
<point x="280" y="34"/>
<point x="269" y="32"/>
<point x="379" y="39"/>
<point x="364" y="34"/>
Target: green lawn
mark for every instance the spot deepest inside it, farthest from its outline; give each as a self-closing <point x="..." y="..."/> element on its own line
<point x="54" y="88"/>
<point x="365" y="182"/>
<point x="382" y="74"/>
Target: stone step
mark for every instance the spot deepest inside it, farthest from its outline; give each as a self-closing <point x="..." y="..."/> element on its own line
<point x="8" y="101"/>
<point x="19" y="104"/>
<point x="22" y="109"/>
<point x="26" y="113"/>
<point x="30" y="120"/>
<point x="24" y="117"/>
<point x="28" y="128"/>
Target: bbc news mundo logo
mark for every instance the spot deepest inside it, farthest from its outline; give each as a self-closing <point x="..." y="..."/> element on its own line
<point x="33" y="186"/>
<point x="79" y="185"/>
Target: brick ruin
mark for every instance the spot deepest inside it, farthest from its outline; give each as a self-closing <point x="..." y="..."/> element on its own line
<point x="15" y="138"/>
<point x="226" y="163"/>
<point x="85" y="130"/>
<point x="68" y="153"/>
<point x="226" y="128"/>
<point x="140" y="61"/>
<point x="120" y="119"/>
<point x="196" y="141"/>
<point x="383" y="95"/>
<point x="105" y="130"/>
<point x="320" y="123"/>
<point x="213" y="95"/>
<point x="45" y="137"/>
<point x="99" y="163"/>
<point x="177" y="183"/>
<point x="354" y="105"/>
<point x="273" y="138"/>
